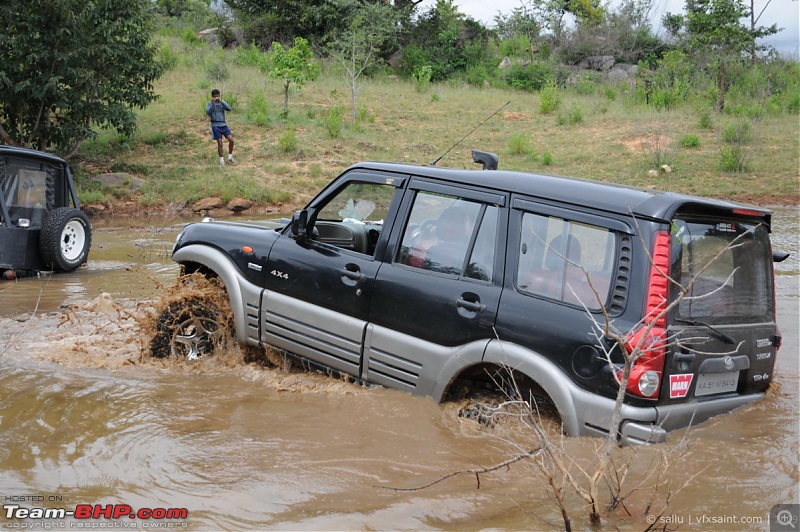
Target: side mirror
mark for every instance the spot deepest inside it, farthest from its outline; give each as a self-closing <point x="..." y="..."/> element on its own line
<point x="300" y="225"/>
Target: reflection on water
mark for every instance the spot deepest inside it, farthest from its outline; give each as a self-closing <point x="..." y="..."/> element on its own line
<point x="84" y="417"/>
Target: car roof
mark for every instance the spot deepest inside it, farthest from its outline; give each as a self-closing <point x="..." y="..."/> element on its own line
<point x="12" y="151"/>
<point x="620" y="199"/>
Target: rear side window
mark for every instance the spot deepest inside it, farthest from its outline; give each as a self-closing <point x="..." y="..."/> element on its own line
<point x="566" y="260"/>
<point x="726" y="268"/>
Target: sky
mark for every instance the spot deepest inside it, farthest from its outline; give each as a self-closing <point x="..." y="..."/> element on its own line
<point x="784" y="13"/>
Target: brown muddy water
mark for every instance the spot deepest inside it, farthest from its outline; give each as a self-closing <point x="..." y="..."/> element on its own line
<point x="86" y="419"/>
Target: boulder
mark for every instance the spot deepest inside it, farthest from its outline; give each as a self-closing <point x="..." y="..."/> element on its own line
<point x="239" y="204"/>
<point x="505" y="63"/>
<point x="601" y="63"/>
<point x="207" y="204"/>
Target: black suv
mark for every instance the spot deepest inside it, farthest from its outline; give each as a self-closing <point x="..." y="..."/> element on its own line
<point x="39" y="230"/>
<point x="435" y="281"/>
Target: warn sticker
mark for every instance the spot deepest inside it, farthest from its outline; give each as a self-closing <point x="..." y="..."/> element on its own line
<point x="679" y="385"/>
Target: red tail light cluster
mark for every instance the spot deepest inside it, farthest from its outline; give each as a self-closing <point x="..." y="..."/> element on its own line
<point x="646" y="373"/>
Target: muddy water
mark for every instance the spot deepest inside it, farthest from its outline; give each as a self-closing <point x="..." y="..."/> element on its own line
<point x="85" y="419"/>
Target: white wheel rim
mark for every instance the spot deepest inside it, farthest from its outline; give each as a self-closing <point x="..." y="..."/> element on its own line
<point x="73" y="239"/>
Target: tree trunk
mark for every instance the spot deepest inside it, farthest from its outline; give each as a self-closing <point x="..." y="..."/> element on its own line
<point x="721" y="84"/>
<point x="286" y="95"/>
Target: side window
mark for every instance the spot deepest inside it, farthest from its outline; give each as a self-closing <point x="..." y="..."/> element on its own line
<point x="451" y="235"/>
<point x="556" y="255"/>
<point x="353" y="218"/>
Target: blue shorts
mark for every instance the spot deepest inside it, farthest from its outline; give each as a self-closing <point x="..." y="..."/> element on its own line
<point x="217" y="132"/>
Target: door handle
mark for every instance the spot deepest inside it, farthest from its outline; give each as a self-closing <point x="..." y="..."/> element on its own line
<point x="472" y="306"/>
<point x="353" y="274"/>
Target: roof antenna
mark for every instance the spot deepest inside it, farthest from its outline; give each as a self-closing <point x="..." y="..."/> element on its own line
<point x="470" y="133"/>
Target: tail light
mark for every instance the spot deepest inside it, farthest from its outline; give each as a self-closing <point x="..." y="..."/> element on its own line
<point x="646" y="373"/>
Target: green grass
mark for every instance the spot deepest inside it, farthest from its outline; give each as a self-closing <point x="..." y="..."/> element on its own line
<point x="287" y="159"/>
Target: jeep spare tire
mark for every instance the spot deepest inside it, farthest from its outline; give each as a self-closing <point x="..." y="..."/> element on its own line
<point x="65" y="239"/>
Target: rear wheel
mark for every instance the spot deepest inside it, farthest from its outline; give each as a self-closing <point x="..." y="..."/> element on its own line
<point x="65" y="239"/>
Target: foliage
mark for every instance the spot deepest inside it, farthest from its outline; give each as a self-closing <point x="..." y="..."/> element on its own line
<point x="288" y="141"/>
<point x="446" y="40"/>
<point x="547" y="158"/>
<point x="573" y="115"/>
<point x="519" y="144"/>
<point x="690" y="141"/>
<point x="422" y="77"/>
<point x="713" y="33"/>
<point x="532" y="78"/>
<point x="549" y="98"/>
<point x="358" y="47"/>
<point x="70" y="65"/>
<point x="332" y="122"/>
<point x="292" y="65"/>
<point x="669" y="83"/>
<point x="258" y="110"/>
<point x="252" y="56"/>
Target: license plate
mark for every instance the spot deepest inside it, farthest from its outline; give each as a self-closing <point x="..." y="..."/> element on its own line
<point x="712" y="383"/>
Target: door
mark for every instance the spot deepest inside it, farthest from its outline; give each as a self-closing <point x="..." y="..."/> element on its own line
<point x="436" y="295"/>
<point x="319" y="289"/>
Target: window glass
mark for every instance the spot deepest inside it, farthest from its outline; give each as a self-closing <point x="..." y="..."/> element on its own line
<point x="359" y="202"/>
<point x="566" y="260"/>
<point x="481" y="263"/>
<point x="726" y="267"/>
<point x="439" y="235"/>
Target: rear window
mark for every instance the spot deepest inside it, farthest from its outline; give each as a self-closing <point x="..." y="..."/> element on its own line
<point x="566" y="260"/>
<point x="726" y="268"/>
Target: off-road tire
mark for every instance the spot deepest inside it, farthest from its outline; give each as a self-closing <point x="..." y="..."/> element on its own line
<point x="65" y="239"/>
<point x="190" y="328"/>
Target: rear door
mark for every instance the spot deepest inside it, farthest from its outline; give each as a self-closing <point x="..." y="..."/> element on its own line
<point x="438" y="292"/>
<point x="724" y="331"/>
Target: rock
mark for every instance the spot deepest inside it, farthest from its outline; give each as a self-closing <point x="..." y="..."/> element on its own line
<point x="505" y="63"/>
<point x="598" y="62"/>
<point x="239" y="204"/>
<point x="652" y="173"/>
<point x="119" y="180"/>
<point x="666" y="168"/>
<point x="94" y="209"/>
<point x="618" y="74"/>
<point x="209" y="35"/>
<point x="206" y="204"/>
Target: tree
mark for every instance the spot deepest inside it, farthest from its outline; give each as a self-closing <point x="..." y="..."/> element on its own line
<point x="714" y="29"/>
<point x="526" y="21"/>
<point x="69" y="65"/>
<point x="359" y="47"/>
<point x="292" y="65"/>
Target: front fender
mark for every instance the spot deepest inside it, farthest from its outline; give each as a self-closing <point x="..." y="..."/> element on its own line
<point x="220" y="264"/>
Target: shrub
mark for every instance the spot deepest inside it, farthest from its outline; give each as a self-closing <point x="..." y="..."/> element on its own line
<point x="732" y="158"/>
<point x="532" y="78"/>
<point x="610" y="93"/>
<point x="257" y="110"/>
<point x="422" y="77"/>
<point x="190" y="37"/>
<point x="690" y="141"/>
<point x="519" y="144"/>
<point x="332" y="122"/>
<point x="549" y="99"/>
<point x="167" y="58"/>
<point x="547" y="158"/>
<point x="704" y="119"/>
<point x="737" y="133"/>
<point x="288" y="141"/>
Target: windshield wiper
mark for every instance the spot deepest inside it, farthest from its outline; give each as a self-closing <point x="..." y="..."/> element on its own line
<point x="715" y="333"/>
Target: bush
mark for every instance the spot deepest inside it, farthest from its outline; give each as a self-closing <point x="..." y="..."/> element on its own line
<point x="547" y="158"/>
<point x="288" y="141"/>
<point x="737" y="133"/>
<point x="519" y="144"/>
<point x="422" y="77"/>
<point x="531" y="78"/>
<point x="704" y="119"/>
<point x="252" y="56"/>
<point x="573" y="116"/>
<point x="549" y="99"/>
<point x="258" y="110"/>
<point x="690" y="141"/>
<point x="732" y="158"/>
<point x="167" y="58"/>
<point x="190" y="37"/>
<point x="332" y="122"/>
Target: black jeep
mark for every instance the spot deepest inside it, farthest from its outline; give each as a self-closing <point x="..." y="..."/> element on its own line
<point x="435" y="281"/>
<point x="39" y="230"/>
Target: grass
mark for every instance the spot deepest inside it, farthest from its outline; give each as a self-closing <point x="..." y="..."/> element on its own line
<point x="287" y="159"/>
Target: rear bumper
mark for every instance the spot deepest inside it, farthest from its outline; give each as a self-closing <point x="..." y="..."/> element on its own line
<point x="640" y="425"/>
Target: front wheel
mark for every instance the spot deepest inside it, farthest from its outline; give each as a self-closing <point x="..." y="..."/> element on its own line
<point x="190" y="329"/>
<point x="65" y="239"/>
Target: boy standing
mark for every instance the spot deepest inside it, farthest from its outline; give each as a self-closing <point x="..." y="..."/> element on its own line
<point x="215" y="109"/>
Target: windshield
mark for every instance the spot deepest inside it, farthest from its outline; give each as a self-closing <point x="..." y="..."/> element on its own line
<point x="726" y="266"/>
